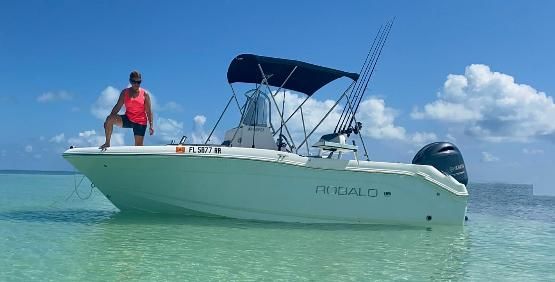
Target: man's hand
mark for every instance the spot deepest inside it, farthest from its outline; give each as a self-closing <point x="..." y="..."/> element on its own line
<point x="151" y="130"/>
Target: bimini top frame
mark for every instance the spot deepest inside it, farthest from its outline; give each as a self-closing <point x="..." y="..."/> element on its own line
<point x="285" y="74"/>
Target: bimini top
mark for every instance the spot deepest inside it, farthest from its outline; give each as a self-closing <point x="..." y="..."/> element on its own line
<point x="307" y="78"/>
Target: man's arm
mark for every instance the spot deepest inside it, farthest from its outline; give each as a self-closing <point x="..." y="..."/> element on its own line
<point x="118" y="105"/>
<point x="148" y="110"/>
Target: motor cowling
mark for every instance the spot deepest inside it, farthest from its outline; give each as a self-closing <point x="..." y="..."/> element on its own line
<point x="445" y="157"/>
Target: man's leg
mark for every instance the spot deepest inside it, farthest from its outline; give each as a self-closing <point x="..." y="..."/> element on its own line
<point x="108" y="128"/>
<point x="139" y="140"/>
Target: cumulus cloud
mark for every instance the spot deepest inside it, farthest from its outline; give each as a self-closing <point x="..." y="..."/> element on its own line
<point x="58" y="138"/>
<point x="54" y="96"/>
<point x="491" y="106"/>
<point x="199" y="134"/>
<point x="105" y="102"/>
<point x="489" y="157"/>
<point x="378" y="119"/>
<point x="28" y="148"/>
<point x="89" y="138"/>
<point x="168" y="129"/>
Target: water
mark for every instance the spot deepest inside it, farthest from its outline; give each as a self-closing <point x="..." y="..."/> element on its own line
<point x="49" y="234"/>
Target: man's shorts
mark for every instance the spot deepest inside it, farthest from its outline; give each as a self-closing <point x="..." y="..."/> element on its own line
<point x="138" y="129"/>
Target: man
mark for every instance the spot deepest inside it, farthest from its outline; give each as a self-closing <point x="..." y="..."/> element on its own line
<point x="137" y="112"/>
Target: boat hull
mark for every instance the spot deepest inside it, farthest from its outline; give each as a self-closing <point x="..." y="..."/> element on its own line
<point x="272" y="186"/>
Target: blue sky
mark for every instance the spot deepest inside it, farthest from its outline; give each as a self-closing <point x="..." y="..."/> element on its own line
<point x="477" y="73"/>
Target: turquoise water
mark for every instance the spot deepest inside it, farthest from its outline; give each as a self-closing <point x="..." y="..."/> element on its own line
<point x="48" y="233"/>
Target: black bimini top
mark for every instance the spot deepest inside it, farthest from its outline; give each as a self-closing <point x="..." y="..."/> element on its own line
<point x="307" y="78"/>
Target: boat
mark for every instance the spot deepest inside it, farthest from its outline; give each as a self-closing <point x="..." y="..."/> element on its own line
<point x="259" y="173"/>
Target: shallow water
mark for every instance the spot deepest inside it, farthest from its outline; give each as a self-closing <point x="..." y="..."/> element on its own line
<point x="49" y="233"/>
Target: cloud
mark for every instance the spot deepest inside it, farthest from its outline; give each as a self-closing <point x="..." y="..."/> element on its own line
<point x="422" y="138"/>
<point x="3" y="153"/>
<point x="532" y="151"/>
<point x="54" y="96"/>
<point x="28" y="148"/>
<point x="58" y="138"/>
<point x="168" y="129"/>
<point x="199" y="135"/>
<point x="89" y="138"/>
<point x="172" y="106"/>
<point x="488" y="157"/>
<point x="491" y="106"/>
<point x="105" y="102"/>
<point x="378" y="119"/>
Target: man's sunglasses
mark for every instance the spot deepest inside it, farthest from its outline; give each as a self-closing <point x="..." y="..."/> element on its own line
<point x="135" y="81"/>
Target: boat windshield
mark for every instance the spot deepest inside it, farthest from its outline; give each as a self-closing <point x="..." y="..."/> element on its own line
<point x="257" y="107"/>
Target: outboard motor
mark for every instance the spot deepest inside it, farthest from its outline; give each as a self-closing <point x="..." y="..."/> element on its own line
<point x="445" y="157"/>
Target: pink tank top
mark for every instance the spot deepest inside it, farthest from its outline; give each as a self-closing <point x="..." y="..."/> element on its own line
<point x="135" y="106"/>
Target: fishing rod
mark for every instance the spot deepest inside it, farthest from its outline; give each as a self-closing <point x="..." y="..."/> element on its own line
<point x="361" y="82"/>
<point x="364" y="69"/>
<point x="381" y="44"/>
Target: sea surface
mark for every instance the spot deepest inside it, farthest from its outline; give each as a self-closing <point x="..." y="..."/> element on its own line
<point x="50" y="231"/>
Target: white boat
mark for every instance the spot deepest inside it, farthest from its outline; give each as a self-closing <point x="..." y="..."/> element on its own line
<point x="253" y="176"/>
<point x="261" y="184"/>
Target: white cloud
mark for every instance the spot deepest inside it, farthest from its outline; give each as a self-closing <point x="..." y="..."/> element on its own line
<point x="87" y="133"/>
<point x="200" y="120"/>
<point x="41" y="138"/>
<point x="199" y="135"/>
<point x="89" y="138"/>
<point x="450" y="137"/>
<point x="489" y="157"/>
<point x="105" y="102"/>
<point x="422" y="138"/>
<point x="491" y="106"/>
<point x="378" y="120"/>
<point x="54" y="96"/>
<point x="172" y="106"/>
<point x="532" y="151"/>
<point x="168" y="129"/>
<point x="28" y="148"/>
<point x="58" y="138"/>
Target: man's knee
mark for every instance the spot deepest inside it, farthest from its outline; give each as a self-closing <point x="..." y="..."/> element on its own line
<point x="110" y="120"/>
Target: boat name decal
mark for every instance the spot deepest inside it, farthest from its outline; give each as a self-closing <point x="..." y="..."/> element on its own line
<point x="198" y="150"/>
<point x="346" y="191"/>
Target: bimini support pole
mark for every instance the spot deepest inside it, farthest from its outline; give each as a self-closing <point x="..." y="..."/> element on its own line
<point x="275" y="103"/>
<point x="304" y="130"/>
<point x="223" y="112"/>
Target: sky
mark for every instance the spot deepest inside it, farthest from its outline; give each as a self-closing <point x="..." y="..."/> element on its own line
<point x="479" y="74"/>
